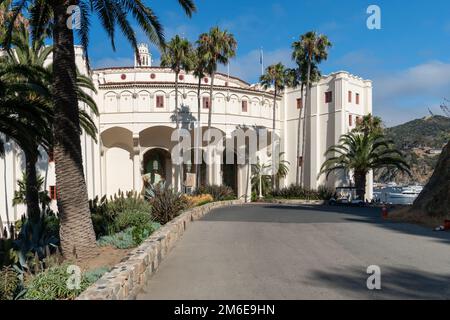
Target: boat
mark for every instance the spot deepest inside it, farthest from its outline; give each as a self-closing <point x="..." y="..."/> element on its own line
<point x="398" y="195"/>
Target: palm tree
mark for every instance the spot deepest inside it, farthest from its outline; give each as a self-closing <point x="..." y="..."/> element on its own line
<point x="360" y="153"/>
<point x="199" y="71"/>
<point x="34" y="53"/>
<point x="276" y="77"/>
<point x="177" y="55"/>
<point x="368" y="124"/>
<point x="310" y="50"/>
<point x="76" y="232"/>
<point x="216" y="47"/>
<point x="25" y="117"/>
<point x="301" y="77"/>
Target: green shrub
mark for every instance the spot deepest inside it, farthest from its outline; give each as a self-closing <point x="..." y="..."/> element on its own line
<point x="298" y="192"/>
<point x="9" y="283"/>
<point x="219" y="193"/>
<point x="166" y="203"/>
<point x="130" y="218"/>
<point x="129" y="238"/>
<point x="93" y="275"/>
<point x="142" y="232"/>
<point x="51" y="284"/>
<point x="105" y="211"/>
<point x="120" y="240"/>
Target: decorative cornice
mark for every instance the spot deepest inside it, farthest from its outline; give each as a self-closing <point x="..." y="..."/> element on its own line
<point x="171" y="85"/>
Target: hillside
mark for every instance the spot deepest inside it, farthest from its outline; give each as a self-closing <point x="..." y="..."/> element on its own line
<point x="415" y="139"/>
<point x="429" y="132"/>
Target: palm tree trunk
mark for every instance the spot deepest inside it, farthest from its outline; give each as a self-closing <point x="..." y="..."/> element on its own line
<point x="306" y="116"/>
<point x="76" y="231"/>
<point x="176" y="100"/>
<point x="360" y="184"/>
<point x="198" y="159"/>
<point x="209" y="126"/>
<point x="274" y="114"/>
<point x="300" y="145"/>
<point x="31" y="188"/>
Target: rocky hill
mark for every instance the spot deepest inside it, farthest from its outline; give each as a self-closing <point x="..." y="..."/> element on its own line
<point x="420" y="140"/>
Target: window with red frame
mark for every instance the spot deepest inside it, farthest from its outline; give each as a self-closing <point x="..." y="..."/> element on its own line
<point x="51" y="156"/>
<point x="53" y="193"/>
<point x="299" y="103"/>
<point x="350" y="97"/>
<point x="328" y="97"/>
<point x="357" y="98"/>
<point x="206" y="103"/>
<point x="160" y="101"/>
<point x="244" y="106"/>
<point x="350" y="120"/>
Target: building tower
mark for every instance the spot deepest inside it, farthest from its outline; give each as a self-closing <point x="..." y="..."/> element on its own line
<point x="144" y="55"/>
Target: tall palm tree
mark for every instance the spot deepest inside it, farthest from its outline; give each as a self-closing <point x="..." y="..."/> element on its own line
<point x="360" y="153"/>
<point x="217" y="47"/>
<point x="309" y="51"/>
<point x="34" y="53"/>
<point x="301" y="77"/>
<point x="27" y="118"/>
<point x="76" y="232"/>
<point x="199" y="71"/>
<point x="275" y="77"/>
<point x="177" y="55"/>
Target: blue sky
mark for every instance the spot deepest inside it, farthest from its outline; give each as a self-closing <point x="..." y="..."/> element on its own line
<point x="408" y="59"/>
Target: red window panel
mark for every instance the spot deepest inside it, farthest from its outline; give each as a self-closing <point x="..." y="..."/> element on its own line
<point x="206" y="103"/>
<point x="53" y="193"/>
<point x="160" y="101"/>
<point x="357" y="98"/>
<point x="51" y="156"/>
<point x="350" y="120"/>
<point x="299" y="103"/>
<point x="244" y="106"/>
<point x="350" y="97"/>
<point x="328" y="97"/>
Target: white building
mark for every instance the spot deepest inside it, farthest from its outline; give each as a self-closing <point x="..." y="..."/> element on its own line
<point x="137" y="105"/>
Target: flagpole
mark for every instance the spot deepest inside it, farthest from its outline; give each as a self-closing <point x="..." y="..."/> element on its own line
<point x="262" y="61"/>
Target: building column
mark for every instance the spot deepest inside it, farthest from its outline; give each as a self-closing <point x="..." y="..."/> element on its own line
<point x="137" y="172"/>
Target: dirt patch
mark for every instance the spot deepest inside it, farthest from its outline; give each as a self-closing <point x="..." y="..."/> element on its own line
<point x="107" y="257"/>
<point x="406" y="214"/>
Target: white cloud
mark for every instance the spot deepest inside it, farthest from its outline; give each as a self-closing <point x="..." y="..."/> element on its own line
<point x="409" y="94"/>
<point x="431" y="78"/>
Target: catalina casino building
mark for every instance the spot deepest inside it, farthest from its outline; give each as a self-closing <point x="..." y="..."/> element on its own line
<point x="136" y="122"/>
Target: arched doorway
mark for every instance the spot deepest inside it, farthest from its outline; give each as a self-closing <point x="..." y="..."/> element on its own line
<point x="158" y="166"/>
<point x="230" y="173"/>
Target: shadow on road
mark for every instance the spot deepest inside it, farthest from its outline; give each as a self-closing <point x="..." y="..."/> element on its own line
<point x="396" y="283"/>
<point x="272" y="213"/>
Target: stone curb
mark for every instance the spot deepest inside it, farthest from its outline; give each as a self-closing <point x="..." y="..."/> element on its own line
<point x="298" y="202"/>
<point x="127" y="278"/>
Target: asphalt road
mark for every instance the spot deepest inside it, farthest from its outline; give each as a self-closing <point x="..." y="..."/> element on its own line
<point x="292" y="252"/>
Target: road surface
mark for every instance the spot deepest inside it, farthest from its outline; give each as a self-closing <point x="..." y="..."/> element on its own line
<point x="300" y="252"/>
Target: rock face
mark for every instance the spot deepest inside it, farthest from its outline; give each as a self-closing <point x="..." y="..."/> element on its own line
<point x="435" y="198"/>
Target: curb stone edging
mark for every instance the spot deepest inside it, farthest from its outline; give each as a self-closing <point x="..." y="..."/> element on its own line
<point x="298" y="202"/>
<point x="127" y="278"/>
